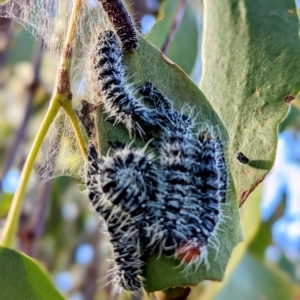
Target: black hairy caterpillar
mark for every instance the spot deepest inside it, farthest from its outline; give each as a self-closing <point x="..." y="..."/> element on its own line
<point x="210" y="168"/>
<point x="108" y="185"/>
<point x="128" y="180"/>
<point x="194" y="183"/>
<point x="118" y="101"/>
<point x="175" y="204"/>
<point x="122" y="23"/>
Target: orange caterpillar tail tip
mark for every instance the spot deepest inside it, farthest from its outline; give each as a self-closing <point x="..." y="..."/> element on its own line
<point x="187" y="253"/>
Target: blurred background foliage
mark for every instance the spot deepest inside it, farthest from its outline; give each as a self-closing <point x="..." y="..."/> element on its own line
<point x="58" y="227"/>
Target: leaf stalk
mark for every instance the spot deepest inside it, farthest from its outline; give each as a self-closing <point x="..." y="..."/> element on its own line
<point x="62" y="98"/>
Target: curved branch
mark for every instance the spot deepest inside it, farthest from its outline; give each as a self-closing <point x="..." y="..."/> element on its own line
<point x="61" y="98"/>
<point x="175" y="25"/>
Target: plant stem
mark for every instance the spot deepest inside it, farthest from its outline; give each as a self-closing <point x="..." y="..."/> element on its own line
<point x="61" y="98"/>
<point x="10" y="228"/>
<point x="175" y="25"/>
<point x="74" y="121"/>
<point x="63" y="83"/>
<point x="73" y="22"/>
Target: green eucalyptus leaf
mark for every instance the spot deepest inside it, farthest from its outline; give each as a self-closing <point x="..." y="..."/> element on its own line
<point x="250" y="72"/>
<point x="292" y="119"/>
<point x="184" y="47"/>
<point x="149" y="64"/>
<point x="253" y="279"/>
<point x="251" y="222"/>
<point x="22" y="48"/>
<point x="23" y="278"/>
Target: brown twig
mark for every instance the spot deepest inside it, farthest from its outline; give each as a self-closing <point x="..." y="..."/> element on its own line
<point x="5" y="29"/>
<point x="122" y="22"/>
<point x="175" y="25"/>
<point x="109" y="288"/>
<point x="176" y="293"/>
<point x="23" y="126"/>
<point x="90" y="281"/>
<point x="35" y="227"/>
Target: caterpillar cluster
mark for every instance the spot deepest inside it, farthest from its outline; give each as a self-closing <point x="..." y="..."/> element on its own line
<point x="172" y="206"/>
<point x="194" y="182"/>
